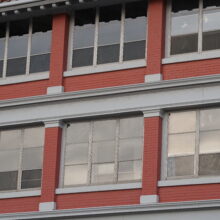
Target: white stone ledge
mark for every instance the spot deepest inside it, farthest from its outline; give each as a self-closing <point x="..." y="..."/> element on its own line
<point x="105" y="68"/>
<point x="8" y="195"/>
<point x="99" y="188"/>
<point x="185" y="182"/>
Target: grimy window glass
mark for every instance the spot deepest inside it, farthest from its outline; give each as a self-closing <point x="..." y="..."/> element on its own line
<point x="109" y="34"/>
<point x="195" y="26"/>
<point x="103" y="151"/>
<point x="21" y="154"/>
<point x="194" y="143"/>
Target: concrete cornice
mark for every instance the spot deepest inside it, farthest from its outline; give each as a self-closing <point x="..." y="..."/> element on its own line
<point x="117" y="90"/>
<point x="129" y="209"/>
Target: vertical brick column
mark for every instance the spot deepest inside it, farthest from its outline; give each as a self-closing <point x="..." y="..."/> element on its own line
<point x="155" y="41"/>
<point x="51" y="165"/>
<point x="151" y="156"/>
<point x="59" y="49"/>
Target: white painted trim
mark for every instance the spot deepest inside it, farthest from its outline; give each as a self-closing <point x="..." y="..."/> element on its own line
<point x="149" y="199"/>
<point x="54" y="124"/>
<point x="105" y="68"/>
<point x="47" y="206"/>
<point x="20" y="194"/>
<point x="191" y="57"/>
<point x="153" y="78"/>
<point x="55" y="90"/>
<point x="153" y="113"/>
<point x="18" y="2"/>
<point x="185" y="182"/>
<point x="24" y="78"/>
<point x="99" y="188"/>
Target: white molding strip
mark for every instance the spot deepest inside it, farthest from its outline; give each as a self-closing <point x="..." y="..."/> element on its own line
<point x="105" y="68"/>
<point x="149" y="199"/>
<point x="99" y="188"/>
<point x="55" y="90"/>
<point x="8" y="195"/>
<point x="185" y="182"/>
<point x="47" y="206"/>
<point x="24" y="78"/>
<point x="54" y="124"/>
<point x="153" y="113"/>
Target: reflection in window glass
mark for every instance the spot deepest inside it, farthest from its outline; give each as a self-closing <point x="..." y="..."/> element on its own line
<point x="103" y="151"/>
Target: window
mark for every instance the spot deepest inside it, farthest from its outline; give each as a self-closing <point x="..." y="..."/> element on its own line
<point x="194" y="26"/>
<point x="103" y="151"/>
<point x="21" y="153"/>
<point x="194" y="143"/>
<point x="108" y="34"/>
<point x="25" y="46"/>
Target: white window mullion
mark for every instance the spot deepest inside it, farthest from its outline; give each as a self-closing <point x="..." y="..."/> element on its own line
<point x="122" y="33"/>
<point x="6" y="51"/>
<point x="71" y="39"/>
<point x="200" y="17"/>
<point x="29" y="47"/>
<point x="116" y="167"/>
<point x="196" y="156"/>
<point x="89" y="177"/>
<point x="95" y="52"/>
<point x="20" y="161"/>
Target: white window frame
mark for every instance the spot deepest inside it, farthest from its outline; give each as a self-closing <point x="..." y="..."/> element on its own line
<point x="97" y="68"/>
<point x="27" y="76"/>
<point x="184" y="57"/>
<point x="92" y="186"/>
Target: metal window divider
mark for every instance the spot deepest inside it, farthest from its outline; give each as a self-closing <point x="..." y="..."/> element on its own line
<point x="116" y="156"/>
<point x="29" y="46"/>
<point x="197" y="136"/>
<point x="20" y="161"/>
<point x="95" y="52"/>
<point x="121" y="51"/>
<point x="89" y="174"/>
<point x="6" y="50"/>
<point x="200" y="26"/>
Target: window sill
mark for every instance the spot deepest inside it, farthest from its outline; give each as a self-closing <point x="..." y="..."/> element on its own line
<point x="20" y="194"/>
<point x="99" y="188"/>
<point x="185" y="182"/>
<point x="192" y="57"/>
<point x="105" y="68"/>
<point x="24" y="78"/>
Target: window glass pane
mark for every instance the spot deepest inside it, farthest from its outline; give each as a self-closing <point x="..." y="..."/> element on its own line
<point x="131" y="127"/>
<point x="209" y="142"/>
<point x="1" y="68"/>
<point x="8" y="180"/>
<point x="76" y="154"/>
<point x="2" y="40"/>
<point x="84" y="30"/>
<point x="129" y="170"/>
<point x="180" y="166"/>
<point x="181" y="144"/>
<point x="39" y="63"/>
<point x="130" y="149"/>
<point x="9" y="160"/>
<point x="108" y="54"/>
<point x="75" y="175"/>
<point x="16" y="67"/>
<point x="211" y="3"/>
<point x="184" y="27"/>
<point x="135" y="21"/>
<point x="104" y="130"/>
<point x="103" y="173"/>
<point x="41" y="35"/>
<point x="78" y="132"/>
<point x="103" y="152"/>
<point x="34" y="137"/>
<point x="134" y="50"/>
<point x="31" y="179"/>
<point x="209" y="119"/>
<point x="18" y="39"/>
<point x="182" y="122"/>
<point x="82" y="57"/>
<point x="32" y="158"/>
<point x="209" y="164"/>
<point x="10" y="139"/>
<point x="109" y="25"/>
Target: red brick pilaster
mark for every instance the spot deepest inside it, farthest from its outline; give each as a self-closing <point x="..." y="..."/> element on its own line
<point x="151" y="156"/>
<point x="51" y="165"/>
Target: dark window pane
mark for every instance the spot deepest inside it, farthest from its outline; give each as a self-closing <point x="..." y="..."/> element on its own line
<point x="2" y="39"/>
<point x="31" y="179"/>
<point x="1" y="67"/>
<point x="82" y="57"/>
<point x="19" y="28"/>
<point x="8" y="180"/>
<point x="208" y="3"/>
<point x="110" y="13"/>
<point x="108" y="54"/>
<point x="209" y="164"/>
<point x="211" y="40"/>
<point x="39" y="63"/>
<point x="136" y="9"/>
<point x="42" y="24"/>
<point x="134" y="50"/>
<point x="184" y="5"/>
<point x="180" y="166"/>
<point x="16" y="66"/>
<point x="184" y="44"/>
